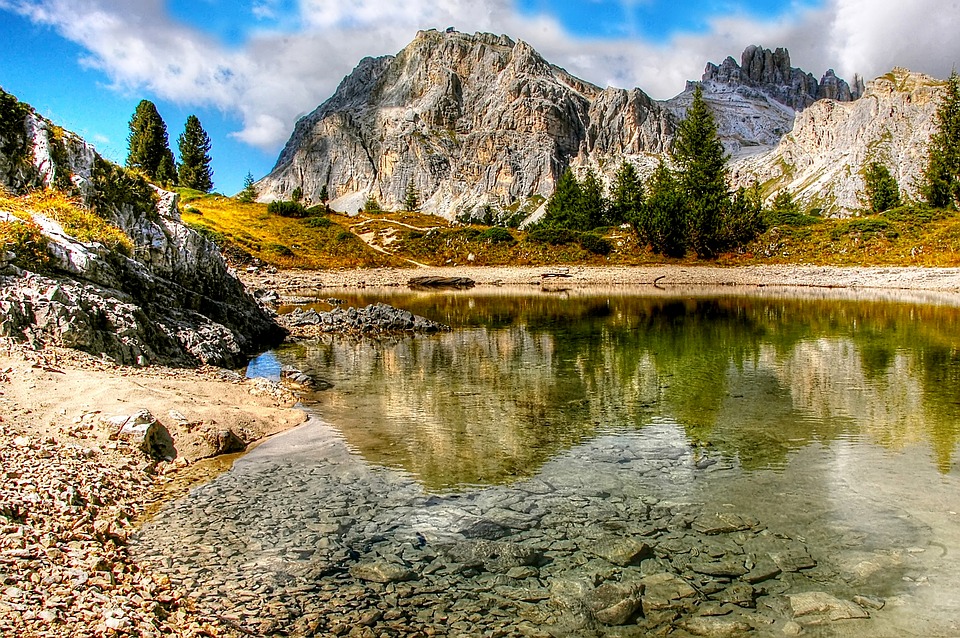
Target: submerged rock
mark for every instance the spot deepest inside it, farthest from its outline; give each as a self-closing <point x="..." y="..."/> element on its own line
<point x="372" y="320"/>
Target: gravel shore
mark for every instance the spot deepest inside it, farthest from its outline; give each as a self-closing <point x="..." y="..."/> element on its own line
<point x="73" y="493"/>
<point x="292" y="282"/>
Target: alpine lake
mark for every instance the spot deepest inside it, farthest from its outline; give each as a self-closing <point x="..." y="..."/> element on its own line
<point x="599" y="462"/>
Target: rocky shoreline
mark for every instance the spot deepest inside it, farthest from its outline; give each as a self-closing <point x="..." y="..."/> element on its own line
<point x="74" y="491"/>
<point x="292" y="285"/>
<point x="72" y="495"/>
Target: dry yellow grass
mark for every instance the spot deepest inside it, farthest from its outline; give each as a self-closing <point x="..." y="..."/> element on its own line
<point x="311" y="242"/>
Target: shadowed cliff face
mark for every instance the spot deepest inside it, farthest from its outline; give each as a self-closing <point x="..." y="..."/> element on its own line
<point x="172" y="300"/>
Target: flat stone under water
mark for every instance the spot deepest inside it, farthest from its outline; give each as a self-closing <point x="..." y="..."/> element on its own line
<point x="647" y="524"/>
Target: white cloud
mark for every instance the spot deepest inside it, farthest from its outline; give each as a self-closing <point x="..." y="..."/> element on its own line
<point x="277" y="76"/>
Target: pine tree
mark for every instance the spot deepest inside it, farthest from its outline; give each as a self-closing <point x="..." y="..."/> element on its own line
<point x="626" y="196"/>
<point x="324" y="195"/>
<point x="167" y="170"/>
<point x="249" y="193"/>
<point x="194" y="145"/>
<point x="744" y="220"/>
<point x="663" y="223"/>
<point x="148" y="145"/>
<point x="941" y="186"/>
<point x="411" y="198"/>
<point x="702" y="176"/>
<point x="592" y="202"/>
<point x="883" y="193"/>
<point x="564" y="209"/>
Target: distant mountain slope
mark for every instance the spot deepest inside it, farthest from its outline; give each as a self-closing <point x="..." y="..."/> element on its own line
<point x="481" y="120"/>
<point x="822" y="160"/>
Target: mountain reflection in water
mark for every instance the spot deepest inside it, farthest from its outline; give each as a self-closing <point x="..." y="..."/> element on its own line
<point x="525" y="376"/>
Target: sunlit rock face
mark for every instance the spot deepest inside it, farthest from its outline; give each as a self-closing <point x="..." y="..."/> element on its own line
<point x="171" y="300"/>
<point x="821" y="161"/>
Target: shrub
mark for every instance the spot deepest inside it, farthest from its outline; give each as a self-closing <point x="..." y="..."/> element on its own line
<point x="789" y="218"/>
<point x="497" y="235"/>
<point x="552" y="236"/>
<point x="27" y="242"/>
<point x="595" y="243"/>
<point x="317" y="222"/>
<point x="864" y="226"/>
<point x="279" y="250"/>
<point x="286" y="209"/>
<point x="468" y="234"/>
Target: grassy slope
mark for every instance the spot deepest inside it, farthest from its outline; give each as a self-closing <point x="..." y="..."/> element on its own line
<point x="902" y="237"/>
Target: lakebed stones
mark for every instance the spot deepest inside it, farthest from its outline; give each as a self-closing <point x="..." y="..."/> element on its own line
<point x="350" y="548"/>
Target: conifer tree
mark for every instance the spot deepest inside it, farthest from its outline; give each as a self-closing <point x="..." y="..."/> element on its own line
<point x="194" y="145"/>
<point x="592" y="204"/>
<point x="564" y="209"/>
<point x="663" y="223"/>
<point x="941" y="186"/>
<point x="411" y="199"/>
<point x="249" y="192"/>
<point x="148" y="146"/>
<point x="626" y="196"/>
<point x="702" y="175"/>
<point x="883" y="193"/>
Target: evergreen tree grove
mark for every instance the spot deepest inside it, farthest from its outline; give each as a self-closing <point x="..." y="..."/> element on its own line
<point x="148" y="148"/>
<point x="941" y="186"/>
<point x="194" y="145"/>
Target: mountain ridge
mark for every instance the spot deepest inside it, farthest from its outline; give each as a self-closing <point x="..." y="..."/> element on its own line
<point x="483" y="122"/>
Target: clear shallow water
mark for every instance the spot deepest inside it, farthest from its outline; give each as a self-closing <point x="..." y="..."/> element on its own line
<point x="832" y="423"/>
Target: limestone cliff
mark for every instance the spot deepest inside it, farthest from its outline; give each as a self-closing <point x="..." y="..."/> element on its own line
<point x="171" y="300"/>
<point x="468" y="119"/>
<point x="822" y="159"/>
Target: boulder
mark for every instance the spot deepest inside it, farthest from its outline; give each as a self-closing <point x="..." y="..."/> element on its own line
<point x="142" y="430"/>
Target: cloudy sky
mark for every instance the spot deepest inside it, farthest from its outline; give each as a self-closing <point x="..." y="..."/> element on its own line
<point x="250" y="68"/>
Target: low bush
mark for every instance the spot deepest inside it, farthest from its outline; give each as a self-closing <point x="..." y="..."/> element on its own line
<point x="789" y="218"/>
<point x="286" y="209"/>
<point x="497" y="235"/>
<point x="552" y="236"/>
<point x="595" y="244"/>
<point x="317" y="222"/>
<point x="27" y="242"/>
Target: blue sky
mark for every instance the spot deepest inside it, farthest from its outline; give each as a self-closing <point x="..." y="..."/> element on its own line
<point x="249" y="69"/>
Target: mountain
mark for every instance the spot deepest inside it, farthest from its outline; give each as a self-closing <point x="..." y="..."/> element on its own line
<point x="476" y="121"/>
<point x="161" y="294"/>
<point x="469" y="119"/>
<point x="821" y="160"/>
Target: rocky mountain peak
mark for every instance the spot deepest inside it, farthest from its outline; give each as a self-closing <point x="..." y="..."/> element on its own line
<point x="770" y="71"/>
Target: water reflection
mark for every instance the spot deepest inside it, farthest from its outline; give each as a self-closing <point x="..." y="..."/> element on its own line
<point x="525" y="376"/>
